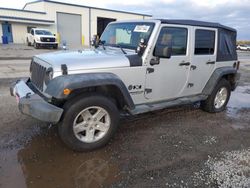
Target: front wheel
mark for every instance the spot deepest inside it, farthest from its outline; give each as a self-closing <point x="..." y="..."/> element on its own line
<point x="28" y="43"/>
<point x="55" y="46"/>
<point x="36" y="45"/>
<point x="217" y="101"/>
<point x="89" y="122"/>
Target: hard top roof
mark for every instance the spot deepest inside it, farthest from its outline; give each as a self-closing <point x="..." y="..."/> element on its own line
<point x="196" y="23"/>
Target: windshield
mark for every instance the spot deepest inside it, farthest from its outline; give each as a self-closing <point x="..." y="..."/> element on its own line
<point x="42" y="32"/>
<point x="126" y="35"/>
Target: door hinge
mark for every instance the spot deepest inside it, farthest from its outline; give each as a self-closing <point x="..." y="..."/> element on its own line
<point x="155" y="61"/>
<point x="190" y="85"/>
<point x="147" y="90"/>
<point x="150" y="70"/>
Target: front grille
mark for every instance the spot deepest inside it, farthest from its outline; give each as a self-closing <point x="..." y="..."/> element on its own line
<point x="38" y="73"/>
<point x="47" y="39"/>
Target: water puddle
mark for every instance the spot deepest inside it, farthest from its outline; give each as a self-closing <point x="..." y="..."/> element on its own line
<point x="45" y="162"/>
<point x="239" y="102"/>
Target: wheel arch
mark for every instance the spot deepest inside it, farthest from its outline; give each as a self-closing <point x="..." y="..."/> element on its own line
<point x="107" y="84"/>
<point x="228" y="73"/>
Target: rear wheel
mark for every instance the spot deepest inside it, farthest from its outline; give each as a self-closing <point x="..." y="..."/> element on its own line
<point x="217" y="101"/>
<point x="89" y="122"/>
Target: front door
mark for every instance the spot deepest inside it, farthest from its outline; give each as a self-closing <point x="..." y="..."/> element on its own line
<point x="7" y="31"/>
<point x="168" y="79"/>
<point x="203" y="59"/>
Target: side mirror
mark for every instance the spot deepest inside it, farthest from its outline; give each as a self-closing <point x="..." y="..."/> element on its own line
<point x="95" y="41"/>
<point x="54" y="35"/>
<point x="163" y="51"/>
<point x="141" y="47"/>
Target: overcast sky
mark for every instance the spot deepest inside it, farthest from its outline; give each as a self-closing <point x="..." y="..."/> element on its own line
<point x="234" y="13"/>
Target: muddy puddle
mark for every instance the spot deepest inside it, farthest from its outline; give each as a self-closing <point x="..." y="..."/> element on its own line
<point x="45" y="162"/>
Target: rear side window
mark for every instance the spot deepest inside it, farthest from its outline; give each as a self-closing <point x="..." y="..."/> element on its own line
<point x="204" y="42"/>
<point x="227" y="45"/>
<point x="175" y="37"/>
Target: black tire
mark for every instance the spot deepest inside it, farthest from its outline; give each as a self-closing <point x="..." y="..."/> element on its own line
<point x="36" y="45"/>
<point x="55" y="47"/>
<point x="209" y="104"/>
<point x="71" y="111"/>
<point x="28" y="43"/>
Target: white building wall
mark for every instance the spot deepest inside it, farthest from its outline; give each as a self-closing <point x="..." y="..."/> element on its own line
<point x="23" y="14"/>
<point x="147" y="17"/>
<point x="19" y="31"/>
<point x="52" y="9"/>
<point x="89" y="18"/>
<point x="109" y="14"/>
<point x="38" y="6"/>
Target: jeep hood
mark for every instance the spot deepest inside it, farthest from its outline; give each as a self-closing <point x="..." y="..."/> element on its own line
<point x="85" y="59"/>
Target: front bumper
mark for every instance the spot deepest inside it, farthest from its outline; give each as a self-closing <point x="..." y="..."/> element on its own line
<point x="47" y="44"/>
<point x="32" y="104"/>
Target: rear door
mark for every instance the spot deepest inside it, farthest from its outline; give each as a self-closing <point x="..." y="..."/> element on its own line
<point x="203" y="59"/>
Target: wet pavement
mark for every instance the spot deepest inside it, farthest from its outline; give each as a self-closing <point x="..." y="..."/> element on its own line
<point x="24" y="52"/>
<point x="179" y="147"/>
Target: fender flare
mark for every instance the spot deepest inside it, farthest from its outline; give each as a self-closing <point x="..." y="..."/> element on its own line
<point x="216" y="76"/>
<point x="80" y="81"/>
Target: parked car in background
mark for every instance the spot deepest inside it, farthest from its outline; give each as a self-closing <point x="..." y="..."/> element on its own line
<point x="243" y="47"/>
<point x="39" y="37"/>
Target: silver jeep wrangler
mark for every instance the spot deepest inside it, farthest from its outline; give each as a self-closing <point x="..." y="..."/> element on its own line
<point x="135" y="67"/>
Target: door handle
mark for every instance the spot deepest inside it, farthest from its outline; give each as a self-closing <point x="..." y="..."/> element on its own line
<point x="210" y="62"/>
<point x="184" y="64"/>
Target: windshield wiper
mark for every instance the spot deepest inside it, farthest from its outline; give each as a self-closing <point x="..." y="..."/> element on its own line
<point x="118" y="46"/>
<point x="102" y="42"/>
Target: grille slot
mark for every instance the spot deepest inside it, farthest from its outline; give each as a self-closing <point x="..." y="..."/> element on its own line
<point x="38" y="73"/>
<point x="47" y="39"/>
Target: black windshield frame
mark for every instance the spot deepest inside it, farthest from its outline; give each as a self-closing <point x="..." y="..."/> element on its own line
<point x="135" y="36"/>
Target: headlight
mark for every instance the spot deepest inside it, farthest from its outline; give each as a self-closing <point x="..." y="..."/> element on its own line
<point x="48" y="75"/>
<point x="38" y="39"/>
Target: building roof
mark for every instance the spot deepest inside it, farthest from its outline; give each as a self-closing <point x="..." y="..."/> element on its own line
<point x="26" y="20"/>
<point x="83" y="6"/>
<point x="197" y="23"/>
<point x="22" y="10"/>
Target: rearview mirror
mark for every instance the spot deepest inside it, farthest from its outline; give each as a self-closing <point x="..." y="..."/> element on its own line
<point x="163" y="51"/>
<point x="95" y="41"/>
<point x="141" y="47"/>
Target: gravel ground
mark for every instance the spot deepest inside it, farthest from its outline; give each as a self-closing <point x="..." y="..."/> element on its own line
<point x="179" y="147"/>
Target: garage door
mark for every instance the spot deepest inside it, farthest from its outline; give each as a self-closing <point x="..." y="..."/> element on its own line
<point x="69" y="28"/>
